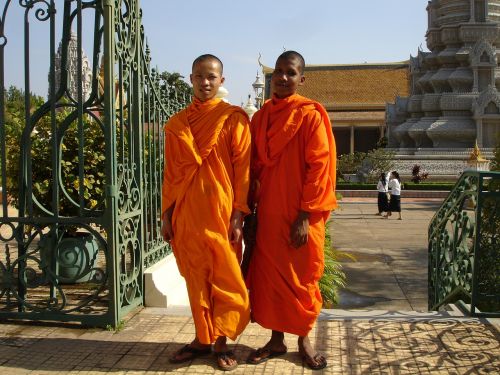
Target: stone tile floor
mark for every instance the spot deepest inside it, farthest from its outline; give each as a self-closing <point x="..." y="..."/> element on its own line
<point x="389" y="275"/>
<point x="354" y="344"/>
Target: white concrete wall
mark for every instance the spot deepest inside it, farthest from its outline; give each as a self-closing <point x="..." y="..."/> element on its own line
<point x="164" y="286"/>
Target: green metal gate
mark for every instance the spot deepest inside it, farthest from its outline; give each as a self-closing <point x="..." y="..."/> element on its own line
<point x="81" y="170"/>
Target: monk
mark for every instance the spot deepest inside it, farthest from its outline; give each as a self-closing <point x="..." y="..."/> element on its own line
<point x="204" y="198"/>
<point x="293" y="170"/>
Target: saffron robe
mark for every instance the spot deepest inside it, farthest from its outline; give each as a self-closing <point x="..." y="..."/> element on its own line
<point x="293" y="160"/>
<point x="206" y="176"/>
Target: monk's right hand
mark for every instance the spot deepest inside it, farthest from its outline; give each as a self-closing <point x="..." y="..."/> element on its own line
<point x="166" y="225"/>
<point x="299" y="230"/>
<point x="235" y="228"/>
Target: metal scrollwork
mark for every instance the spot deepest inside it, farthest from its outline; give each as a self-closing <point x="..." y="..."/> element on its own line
<point x="91" y="165"/>
<point x="43" y="8"/>
<point x="464" y="245"/>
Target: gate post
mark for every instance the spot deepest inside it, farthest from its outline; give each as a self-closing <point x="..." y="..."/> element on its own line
<point x="111" y="190"/>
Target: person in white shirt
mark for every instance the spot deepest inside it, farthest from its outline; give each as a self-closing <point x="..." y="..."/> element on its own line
<point x="395" y="201"/>
<point x="382" y="200"/>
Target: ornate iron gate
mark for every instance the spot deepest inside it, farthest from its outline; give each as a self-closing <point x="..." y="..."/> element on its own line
<point x="83" y="167"/>
<point x="464" y="246"/>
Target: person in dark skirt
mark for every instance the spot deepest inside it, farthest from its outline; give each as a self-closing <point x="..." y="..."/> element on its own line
<point x="395" y="201"/>
<point x="382" y="188"/>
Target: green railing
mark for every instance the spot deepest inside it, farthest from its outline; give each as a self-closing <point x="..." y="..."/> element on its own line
<point x="81" y="170"/>
<point x="464" y="246"/>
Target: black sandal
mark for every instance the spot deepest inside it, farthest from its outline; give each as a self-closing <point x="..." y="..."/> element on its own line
<point x="194" y="353"/>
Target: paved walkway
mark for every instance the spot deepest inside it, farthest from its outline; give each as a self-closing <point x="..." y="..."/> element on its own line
<point x="390" y="270"/>
<point x="389" y="275"/>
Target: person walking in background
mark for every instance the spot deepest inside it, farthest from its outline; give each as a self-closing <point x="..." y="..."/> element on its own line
<point x="395" y="201"/>
<point x="382" y="188"/>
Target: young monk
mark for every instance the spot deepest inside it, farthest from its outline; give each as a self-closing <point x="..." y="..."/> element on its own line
<point x="205" y="187"/>
<point x="293" y="169"/>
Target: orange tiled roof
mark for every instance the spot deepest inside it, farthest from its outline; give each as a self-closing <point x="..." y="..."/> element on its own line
<point x="375" y="116"/>
<point x="360" y="84"/>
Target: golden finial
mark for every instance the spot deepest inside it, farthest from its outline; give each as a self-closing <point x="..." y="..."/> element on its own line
<point x="476" y="155"/>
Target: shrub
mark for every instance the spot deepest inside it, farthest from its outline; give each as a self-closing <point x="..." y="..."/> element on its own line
<point x="495" y="163"/>
<point x="333" y="277"/>
<point x="350" y="163"/>
<point x="381" y="161"/>
<point x="417" y="175"/>
<point x="42" y="171"/>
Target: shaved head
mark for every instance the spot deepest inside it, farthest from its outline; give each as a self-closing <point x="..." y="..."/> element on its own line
<point x="294" y="55"/>
<point x="207" y="57"/>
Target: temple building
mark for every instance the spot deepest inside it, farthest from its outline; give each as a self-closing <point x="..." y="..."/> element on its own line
<point x="71" y="65"/>
<point x="454" y="100"/>
<point x="355" y="97"/>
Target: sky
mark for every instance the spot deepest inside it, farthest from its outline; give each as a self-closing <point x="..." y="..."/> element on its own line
<point x="323" y="31"/>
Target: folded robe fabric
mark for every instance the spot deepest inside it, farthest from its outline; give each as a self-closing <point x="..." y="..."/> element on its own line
<point x="206" y="176"/>
<point x="293" y="160"/>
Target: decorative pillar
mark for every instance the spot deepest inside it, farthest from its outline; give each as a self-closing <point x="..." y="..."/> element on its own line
<point x="472" y="11"/>
<point x="475" y="87"/>
<point x="352" y="139"/>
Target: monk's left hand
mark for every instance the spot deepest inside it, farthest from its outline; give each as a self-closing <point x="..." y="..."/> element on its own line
<point x="299" y="230"/>
<point x="235" y="228"/>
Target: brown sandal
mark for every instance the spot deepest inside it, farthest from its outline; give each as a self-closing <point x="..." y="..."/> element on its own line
<point x="264" y="354"/>
<point x="194" y="353"/>
<point x="224" y="356"/>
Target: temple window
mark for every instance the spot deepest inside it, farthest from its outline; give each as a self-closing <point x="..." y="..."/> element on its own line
<point x="491" y="109"/>
<point x="484" y="79"/>
<point x="485" y="58"/>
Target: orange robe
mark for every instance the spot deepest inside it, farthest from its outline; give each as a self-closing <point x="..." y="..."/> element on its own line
<point x="206" y="176"/>
<point x="293" y="158"/>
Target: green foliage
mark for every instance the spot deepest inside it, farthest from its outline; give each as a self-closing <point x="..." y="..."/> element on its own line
<point x="378" y="160"/>
<point x="495" y="163"/>
<point x="430" y="186"/>
<point x="176" y="85"/>
<point x="333" y="277"/>
<point x="42" y="158"/>
<point x="166" y="92"/>
<point x="119" y="327"/>
<point x="381" y="161"/>
<point x="350" y="163"/>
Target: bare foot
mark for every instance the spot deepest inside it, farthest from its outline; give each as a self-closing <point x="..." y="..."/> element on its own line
<point x="313" y="360"/>
<point x="191" y="351"/>
<point x="274" y="348"/>
<point x="225" y="357"/>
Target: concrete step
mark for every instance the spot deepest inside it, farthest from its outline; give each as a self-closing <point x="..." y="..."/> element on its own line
<point x="450" y="312"/>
